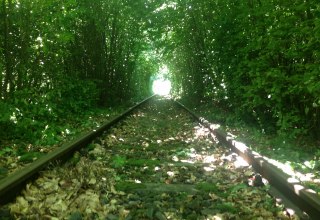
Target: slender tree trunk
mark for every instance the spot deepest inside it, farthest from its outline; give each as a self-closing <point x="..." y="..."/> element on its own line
<point x="7" y="57"/>
<point x="25" y="34"/>
<point x="2" y="33"/>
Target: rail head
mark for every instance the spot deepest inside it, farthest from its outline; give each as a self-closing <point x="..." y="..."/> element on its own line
<point x="305" y="199"/>
<point x="12" y="185"/>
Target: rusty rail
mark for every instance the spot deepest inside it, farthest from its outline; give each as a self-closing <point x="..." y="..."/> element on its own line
<point x="292" y="191"/>
<point x="12" y="185"/>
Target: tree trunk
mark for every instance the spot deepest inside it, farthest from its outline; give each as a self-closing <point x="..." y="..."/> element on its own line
<point x="7" y="82"/>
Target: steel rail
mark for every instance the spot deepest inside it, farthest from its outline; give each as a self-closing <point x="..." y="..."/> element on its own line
<point x="12" y="185"/>
<point x="287" y="189"/>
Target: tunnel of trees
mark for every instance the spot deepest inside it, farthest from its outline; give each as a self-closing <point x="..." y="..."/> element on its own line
<point x="259" y="60"/>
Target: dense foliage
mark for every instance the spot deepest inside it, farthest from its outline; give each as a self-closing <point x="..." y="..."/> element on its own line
<point x="259" y="59"/>
<point x="61" y="58"/>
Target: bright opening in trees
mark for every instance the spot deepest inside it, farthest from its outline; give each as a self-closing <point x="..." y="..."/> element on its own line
<point x="161" y="87"/>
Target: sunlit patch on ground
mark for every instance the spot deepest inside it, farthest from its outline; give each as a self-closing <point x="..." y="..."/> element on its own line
<point x="151" y="167"/>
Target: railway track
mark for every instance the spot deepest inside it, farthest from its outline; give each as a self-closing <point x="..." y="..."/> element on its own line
<point x="157" y="163"/>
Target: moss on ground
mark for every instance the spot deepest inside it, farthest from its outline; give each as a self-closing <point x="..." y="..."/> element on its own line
<point x="126" y="186"/>
<point x="143" y="162"/>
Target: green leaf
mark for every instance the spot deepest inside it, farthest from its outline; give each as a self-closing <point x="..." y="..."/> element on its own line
<point x="238" y="187"/>
<point x="30" y="156"/>
<point x="306" y="110"/>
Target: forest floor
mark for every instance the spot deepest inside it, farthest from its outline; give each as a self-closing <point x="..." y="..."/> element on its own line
<point x="19" y="152"/>
<point x="157" y="164"/>
<point x="299" y="157"/>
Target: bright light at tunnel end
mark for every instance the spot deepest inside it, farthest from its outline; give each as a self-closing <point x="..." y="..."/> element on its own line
<point x="161" y="87"/>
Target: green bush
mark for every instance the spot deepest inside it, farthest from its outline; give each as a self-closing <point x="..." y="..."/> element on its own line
<point x="36" y="115"/>
<point x="74" y="96"/>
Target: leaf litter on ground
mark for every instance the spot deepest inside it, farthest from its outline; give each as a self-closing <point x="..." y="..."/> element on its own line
<point x="157" y="164"/>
